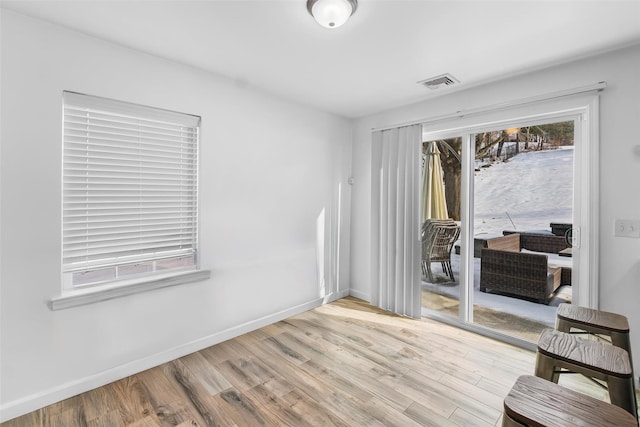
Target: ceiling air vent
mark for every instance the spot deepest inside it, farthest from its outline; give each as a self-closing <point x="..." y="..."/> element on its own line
<point x="439" y="81"/>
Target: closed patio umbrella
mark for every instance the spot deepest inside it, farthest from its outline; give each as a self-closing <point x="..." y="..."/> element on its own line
<point x="434" y="204"/>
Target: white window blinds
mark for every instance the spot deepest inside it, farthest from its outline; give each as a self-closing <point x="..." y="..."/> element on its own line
<point x="129" y="190"/>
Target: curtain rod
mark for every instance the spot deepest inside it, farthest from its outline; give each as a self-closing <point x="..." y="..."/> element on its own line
<point x="500" y="106"/>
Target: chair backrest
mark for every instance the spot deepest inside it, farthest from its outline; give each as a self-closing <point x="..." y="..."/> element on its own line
<point x="429" y="224"/>
<point x="509" y="263"/>
<point x="438" y="239"/>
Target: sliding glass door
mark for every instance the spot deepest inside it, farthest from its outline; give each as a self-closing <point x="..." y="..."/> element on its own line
<point x="522" y="218"/>
<point x="517" y="190"/>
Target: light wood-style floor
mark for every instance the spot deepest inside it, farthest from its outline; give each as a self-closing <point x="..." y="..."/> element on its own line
<point x="344" y="364"/>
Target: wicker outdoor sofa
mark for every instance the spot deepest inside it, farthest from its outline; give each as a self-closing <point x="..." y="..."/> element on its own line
<point x="504" y="269"/>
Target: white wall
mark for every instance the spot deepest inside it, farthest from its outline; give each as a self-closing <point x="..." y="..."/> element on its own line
<point x="269" y="169"/>
<point x="619" y="280"/>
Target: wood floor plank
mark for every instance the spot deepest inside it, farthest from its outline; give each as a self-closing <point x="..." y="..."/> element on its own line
<point x="167" y="401"/>
<point x="242" y="410"/>
<point x="273" y="346"/>
<point x="146" y="422"/>
<point x="219" y="353"/>
<point x="177" y="413"/>
<point x="337" y="380"/>
<point x="212" y="380"/>
<point x="68" y="412"/>
<point x="314" y="412"/>
<point x="196" y="395"/>
<point x="107" y="419"/>
<point x="133" y="401"/>
<point x="70" y="417"/>
<point x="32" y="419"/>
<point x="473" y="391"/>
<point x="388" y="415"/>
<point x="308" y="347"/>
<point x="277" y="408"/>
<point x="413" y="389"/>
<point x="425" y="416"/>
<point x="462" y="397"/>
<point x="463" y="418"/>
<point x="494" y="385"/>
<point x="98" y="403"/>
<point x="342" y="364"/>
<point x="457" y="397"/>
<point x="72" y="404"/>
<point x="239" y="373"/>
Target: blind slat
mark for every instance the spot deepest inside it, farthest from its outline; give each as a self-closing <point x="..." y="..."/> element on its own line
<point x="120" y="117"/>
<point x="78" y="121"/>
<point x="100" y="246"/>
<point x="93" y="144"/>
<point x="114" y="137"/>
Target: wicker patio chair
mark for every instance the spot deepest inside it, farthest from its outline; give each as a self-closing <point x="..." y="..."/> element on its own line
<point x="540" y="242"/>
<point x="523" y="275"/>
<point x="438" y="237"/>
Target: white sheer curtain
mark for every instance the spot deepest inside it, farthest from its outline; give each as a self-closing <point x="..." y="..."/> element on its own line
<point x="395" y="220"/>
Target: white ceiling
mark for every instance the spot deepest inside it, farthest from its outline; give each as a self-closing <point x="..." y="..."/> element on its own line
<point x="370" y="64"/>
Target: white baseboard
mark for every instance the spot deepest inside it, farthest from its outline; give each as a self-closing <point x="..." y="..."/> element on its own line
<point x="361" y="295"/>
<point x="41" y="399"/>
<point x="335" y="296"/>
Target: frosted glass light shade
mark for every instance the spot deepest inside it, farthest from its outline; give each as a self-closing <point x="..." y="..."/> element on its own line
<point x="331" y="13"/>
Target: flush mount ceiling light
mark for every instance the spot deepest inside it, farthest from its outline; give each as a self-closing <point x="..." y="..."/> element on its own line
<point x="331" y="13"/>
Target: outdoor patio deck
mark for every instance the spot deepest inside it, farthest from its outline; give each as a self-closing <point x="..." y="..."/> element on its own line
<point x="514" y="316"/>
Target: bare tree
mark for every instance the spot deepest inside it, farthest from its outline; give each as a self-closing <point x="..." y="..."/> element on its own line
<point x="451" y="151"/>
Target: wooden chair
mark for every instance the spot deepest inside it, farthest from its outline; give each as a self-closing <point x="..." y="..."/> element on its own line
<point x="560" y="352"/>
<point x="536" y="402"/>
<point x="596" y="322"/>
<point x="609" y="327"/>
<point x="438" y="237"/>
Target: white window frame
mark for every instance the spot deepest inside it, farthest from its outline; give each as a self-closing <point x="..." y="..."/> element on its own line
<point x="130" y="199"/>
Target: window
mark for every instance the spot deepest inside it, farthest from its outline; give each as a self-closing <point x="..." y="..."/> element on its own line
<point x="130" y="192"/>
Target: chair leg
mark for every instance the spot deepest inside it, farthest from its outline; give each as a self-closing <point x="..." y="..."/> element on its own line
<point x="623" y="394"/>
<point x="453" y="279"/>
<point x="621" y="339"/>
<point x="563" y="326"/>
<point x="429" y="274"/>
<point x="546" y="368"/>
<point x="446" y="267"/>
<point x="507" y="421"/>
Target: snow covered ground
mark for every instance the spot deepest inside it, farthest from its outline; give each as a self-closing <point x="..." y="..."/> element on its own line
<point x="528" y="192"/>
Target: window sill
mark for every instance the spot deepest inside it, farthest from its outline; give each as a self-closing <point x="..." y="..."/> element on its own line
<point x="79" y="297"/>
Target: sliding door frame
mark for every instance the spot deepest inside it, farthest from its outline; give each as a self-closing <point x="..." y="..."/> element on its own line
<point x="583" y="110"/>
